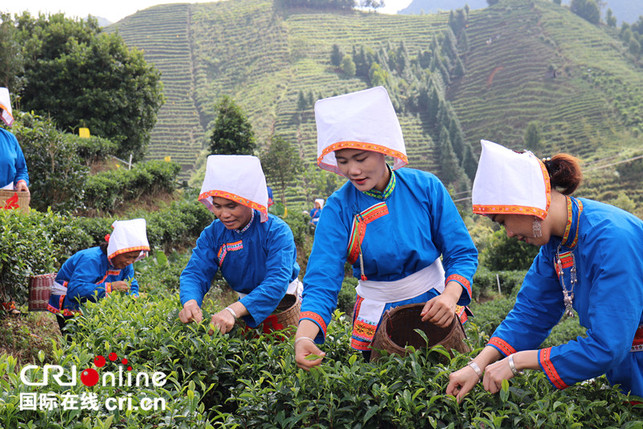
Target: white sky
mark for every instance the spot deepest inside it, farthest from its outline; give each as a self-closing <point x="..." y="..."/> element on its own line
<point x="115" y="10"/>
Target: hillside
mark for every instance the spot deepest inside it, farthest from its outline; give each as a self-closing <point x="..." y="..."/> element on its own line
<point x="623" y="10"/>
<point x="265" y="56"/>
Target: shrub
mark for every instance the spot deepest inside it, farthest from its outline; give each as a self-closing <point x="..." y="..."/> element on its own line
<point x="35" y="244"/>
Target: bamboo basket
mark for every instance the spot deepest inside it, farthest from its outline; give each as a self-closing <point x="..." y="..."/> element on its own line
<point x="285" y="315"/>
<point x="40" y="291"/>
<point x="14" y="200"/>
<point x="397" y="331"/>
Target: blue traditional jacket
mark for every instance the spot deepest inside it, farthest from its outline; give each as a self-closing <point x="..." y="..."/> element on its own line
<point x="260" y="261"/>
<point x="605" y="245"/>
<point x="402" y="230"/>
<point x="88" y="275"/>
<point x="13" y="167"/>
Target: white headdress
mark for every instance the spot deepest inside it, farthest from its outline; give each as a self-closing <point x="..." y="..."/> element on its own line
<point x="363" y="120"/>
<point x="5" y="107"/>
<point x="128" y="236"/>
<point x="238" y="178"/>
<point x="509" y="182"/>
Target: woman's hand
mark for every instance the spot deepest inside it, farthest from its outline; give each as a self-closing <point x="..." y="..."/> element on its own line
<point x="223" y="321"/>
<point x="21" y="186"/>
<point x="305" y="349"/>
<point x="495" y="373"/>
<point x="191" y="312"/>
<point x="120" y="286"/>
<point x="441" y="310"/>
<point x="461" y="382"/>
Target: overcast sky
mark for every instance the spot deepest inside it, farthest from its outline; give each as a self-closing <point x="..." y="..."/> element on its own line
<point x="115" y="10"/>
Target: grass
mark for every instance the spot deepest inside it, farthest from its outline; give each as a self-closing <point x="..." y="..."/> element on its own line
<point x="27" y="335"/>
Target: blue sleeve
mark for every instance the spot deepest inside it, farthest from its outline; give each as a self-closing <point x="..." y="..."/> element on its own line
<point x="82" y="284"/>
<point x="21" y="165"/>
<point x="452" y="239"/>
<point x="539" y="306"/>
<point x="282" y="255"/>
<point x="614" y="277"/>
<point x="325" y="270"/>
<point x="197" y="276"/>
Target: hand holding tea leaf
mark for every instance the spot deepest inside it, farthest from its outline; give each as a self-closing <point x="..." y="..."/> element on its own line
<point x="120" y="286"/>
<point x="223" y="321"/>
<point x="307" y="354"/>
<point x="191" y="312"/>
<point x="440" y="310"/>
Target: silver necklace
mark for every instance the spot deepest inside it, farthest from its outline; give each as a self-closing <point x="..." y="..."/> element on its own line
<point x="568" y="295"/>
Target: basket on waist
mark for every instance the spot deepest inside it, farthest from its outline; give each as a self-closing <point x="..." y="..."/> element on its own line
<point x="397" y="330"/>
<point x="40" y="291"/>
<point x="286" y="314"/>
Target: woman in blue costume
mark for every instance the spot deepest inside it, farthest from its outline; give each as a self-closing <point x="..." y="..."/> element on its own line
<point x="254" y="250"/>
<point x="13" y="176"/>
<point x="92" y="274"/>
<point x="392" y="226"/>
<point x="316" y="211"/>
<point x="591" y="261"/>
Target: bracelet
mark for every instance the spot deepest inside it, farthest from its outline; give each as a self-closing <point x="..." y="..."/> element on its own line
<point x="303" y="338"/>
<point x="232" y="312"/>
<point x="512" y="365"/>
<point x="474" y="366"/>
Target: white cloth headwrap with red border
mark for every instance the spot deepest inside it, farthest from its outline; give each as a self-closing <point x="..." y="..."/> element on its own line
<point x="5" y="107"/>
<point x="509" y="182"/>
<point x="128" y="236"/>
<point x="238" y="178"/>
<point x="364" y="120"/>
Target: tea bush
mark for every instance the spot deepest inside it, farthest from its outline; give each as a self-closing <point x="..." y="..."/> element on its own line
<point x="32" y="244"/>
<point x="248" y="379"/>
<point x="110" y="189"/>
<point x="485" y="282"/>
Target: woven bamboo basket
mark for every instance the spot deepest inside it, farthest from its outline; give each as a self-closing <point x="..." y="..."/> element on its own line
<point x="40" y="291"/>
<point x="285" y="315"/>
<point x="14" y="200"/>
<point x="397" y="331"/>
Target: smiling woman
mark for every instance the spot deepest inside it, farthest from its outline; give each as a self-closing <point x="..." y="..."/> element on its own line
<point x="590" y="261"/>
<point x="254" y="250"/>
<point x="395" y="226"/>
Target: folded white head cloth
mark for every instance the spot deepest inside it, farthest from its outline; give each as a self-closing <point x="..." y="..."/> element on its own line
<point x="5" y="107"/>
<point x="320" y="201"/>
<point x="238" y="178"/>
<point x="363" y="120"/>
<point x="509" y="182"/>
<point x="128" y="236"/>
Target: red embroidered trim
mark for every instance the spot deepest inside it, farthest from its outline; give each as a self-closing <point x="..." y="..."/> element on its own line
<point x="358" y="145"/>
<point x="129" y="249"/>
<point x="314" y="317"/>
<point x="502" y="345"/>
<point x="358" y="231"/>
<point x="508" y="209"/>
<point x="360" y="345"/>
<point x="550" y="371"/>
<point x="463" y="281"/>
<point x="230" y="196"/>
<point x="638" y="337"/>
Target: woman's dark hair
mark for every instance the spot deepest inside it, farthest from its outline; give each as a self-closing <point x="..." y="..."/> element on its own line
<point x="564" y="172"/>
<point x="103" y="247"/>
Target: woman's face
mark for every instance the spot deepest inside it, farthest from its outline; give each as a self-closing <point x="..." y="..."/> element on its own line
<point x="365" y="169"/>
<point x="232" y="214"/>
<point x="124" y="259"/>
<point x="522" y="227"/>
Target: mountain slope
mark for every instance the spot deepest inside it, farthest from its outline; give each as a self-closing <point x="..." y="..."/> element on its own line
<point x="266" y="57"/>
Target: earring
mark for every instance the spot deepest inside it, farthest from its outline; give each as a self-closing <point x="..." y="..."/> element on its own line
<point x="536" y="228"/>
